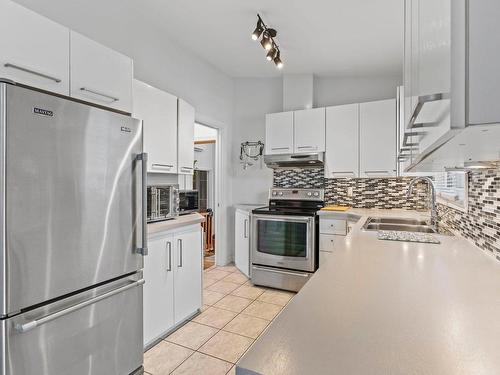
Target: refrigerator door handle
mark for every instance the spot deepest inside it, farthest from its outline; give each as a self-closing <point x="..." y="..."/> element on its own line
<point x="22" y="328"/>
<point x="144" y="159"/>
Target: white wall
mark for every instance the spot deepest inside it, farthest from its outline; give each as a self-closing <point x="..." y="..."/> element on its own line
<point x="254" y="97"/>
<point x="345" y="90"/>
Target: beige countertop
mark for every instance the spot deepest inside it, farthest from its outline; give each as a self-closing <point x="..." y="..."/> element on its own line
<point x="180" y="221"/>
<point x="384" y="307"/>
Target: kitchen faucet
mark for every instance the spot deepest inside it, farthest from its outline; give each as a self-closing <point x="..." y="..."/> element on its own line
<point x="434" y="216"/>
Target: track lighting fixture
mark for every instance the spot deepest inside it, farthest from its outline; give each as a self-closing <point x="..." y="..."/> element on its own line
<point x="268" y="41"/>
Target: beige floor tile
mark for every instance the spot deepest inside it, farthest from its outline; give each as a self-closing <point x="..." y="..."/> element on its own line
<point x="223" y="287"/>
<point x="217" y="274"/>
<point x="247" y="291"/>
<point x="228" y="268"/>
<point x="232" y="371"/>
<point x="201" y="364"/>
<point x="233" y="303"/>
<point x="207" y="281"/>
<point x="227" y="346"/>
<point x="246" y="325"/>
<point x="192" y="335"/>
<point x="236" y="277"/>
<point x="262" y="310"/>
<point x="276" y="296"/>
<point x="210" y="297"/>
<point x="164" y="357"/>
<point x="215" y="317"/>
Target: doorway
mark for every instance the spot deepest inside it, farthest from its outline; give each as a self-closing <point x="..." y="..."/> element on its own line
<point x="204" y="181"/>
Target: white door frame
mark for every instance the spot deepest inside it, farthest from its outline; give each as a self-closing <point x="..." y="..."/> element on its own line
<point x="220" y="245"/>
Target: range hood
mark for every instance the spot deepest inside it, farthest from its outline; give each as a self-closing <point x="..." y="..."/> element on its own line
<point x="315" y="160"/>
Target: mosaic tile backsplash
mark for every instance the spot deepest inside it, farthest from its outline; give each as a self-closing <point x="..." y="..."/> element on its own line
<point x="481" y="224"/>
<point x="366" y="192"/>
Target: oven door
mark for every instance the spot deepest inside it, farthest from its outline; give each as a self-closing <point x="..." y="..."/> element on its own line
<point x="284" y="241"/>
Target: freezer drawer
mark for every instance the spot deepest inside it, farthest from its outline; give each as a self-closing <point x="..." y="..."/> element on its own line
<point x="97" y="332"/>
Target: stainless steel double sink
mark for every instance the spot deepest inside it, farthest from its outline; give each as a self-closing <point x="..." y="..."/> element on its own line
<point x="398" y="224"/>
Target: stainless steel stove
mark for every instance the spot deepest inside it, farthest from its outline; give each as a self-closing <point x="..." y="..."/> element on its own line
<point x="285" y="238"/>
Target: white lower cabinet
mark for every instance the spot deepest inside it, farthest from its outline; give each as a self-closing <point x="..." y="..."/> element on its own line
<point x="331" y="230"/>
<point x="187" y="274"/>
<point x="242" y="241"/>
<point x="173" y="273"/>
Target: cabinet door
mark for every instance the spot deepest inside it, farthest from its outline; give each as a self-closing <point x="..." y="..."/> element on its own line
<point x="35" y="50"/>
<point x="188" y="271"/>
<point x="242" y="242"/>
<point x="100" y="75"/>
<point x="185" y="137"/>
<point x="158" y="289"/>
<point x="279" y="133"/>
<point x="377" y="135"/>
<point x="309" y="130"/>
<point x="158" y="111"/>
<point x="342" y="141"/>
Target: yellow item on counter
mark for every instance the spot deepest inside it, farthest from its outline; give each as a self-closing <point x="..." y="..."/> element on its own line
<point x="335" y="208"/>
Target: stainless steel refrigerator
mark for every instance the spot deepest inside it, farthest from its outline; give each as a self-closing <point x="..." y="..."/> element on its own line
<point x="72" y="232"/>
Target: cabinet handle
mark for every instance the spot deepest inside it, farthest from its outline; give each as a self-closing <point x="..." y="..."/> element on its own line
<point x="169" y="251"/>
<point x="169" y="166"/>
<point x="188" y="169"/>
<point x="180" y="252"/>
<point x="112" y="98"/>
<point x="32" y="71"/>
<point x="376" y="172"/>
<point x="280" y="148"/>
<point x="349" y="173"/>
<point x="245" y="225"/>
<point x="308" y="147"/>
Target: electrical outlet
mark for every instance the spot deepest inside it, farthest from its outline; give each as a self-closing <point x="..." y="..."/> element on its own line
<point x="349" y="191"/>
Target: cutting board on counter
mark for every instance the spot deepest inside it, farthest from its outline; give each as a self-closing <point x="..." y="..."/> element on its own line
<point x="335" y="208"/>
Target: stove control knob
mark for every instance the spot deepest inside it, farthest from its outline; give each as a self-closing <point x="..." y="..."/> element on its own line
<point x="309" y="194"/>
<point x="274" y="193"/>
<point x="280" y="193"/>
<point x="316" y="194"/>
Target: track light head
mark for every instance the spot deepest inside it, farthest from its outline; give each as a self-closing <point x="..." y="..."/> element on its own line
<point x="258" y="30"/>
<point x="277" y="61"/>
<point x="271" y="54"/>
<point x="266" y="41"/>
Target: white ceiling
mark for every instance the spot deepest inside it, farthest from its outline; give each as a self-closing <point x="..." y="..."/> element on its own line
<point x="323" y="37"/>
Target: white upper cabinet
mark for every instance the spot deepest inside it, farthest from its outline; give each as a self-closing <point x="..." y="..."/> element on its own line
<point x="185" y="137"/>
<point x="158" y="110"/>
<point x="309" y="130"/>
<point x="34" y="49"/>
<point x="100" y="75"/>
<point x="342" y="141"/>
<point x="279" y="133"/>
<point x="377" y="138"/>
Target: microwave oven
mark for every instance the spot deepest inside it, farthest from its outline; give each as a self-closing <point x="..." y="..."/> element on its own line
<point x="163" y="202"/>
<point x="189" y="201"/>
